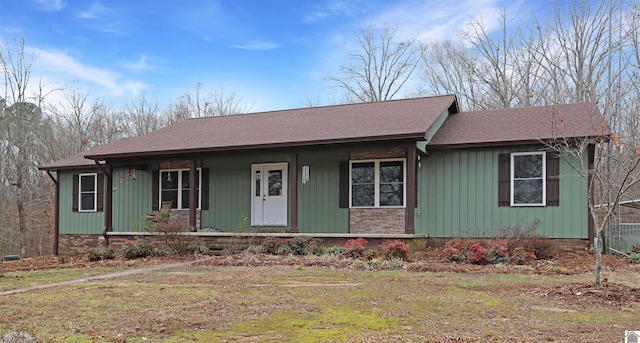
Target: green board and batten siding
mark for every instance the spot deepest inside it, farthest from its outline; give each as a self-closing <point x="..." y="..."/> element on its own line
<point x="76" y="222"/>
<point x="318" y="199"/>
<point x="458" y="197"/>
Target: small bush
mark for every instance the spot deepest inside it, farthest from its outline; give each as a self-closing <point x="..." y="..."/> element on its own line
<point x="334" y="250"/>
<point x="300" y="246"/>
<point x="540" y="245"/>
<point x="455" y="250"/>
<point x="395" y="250"/>
<point x="271" y="245"/>
<point x="497" y="252"/>
<point x="520" y="256"/>
<point x="102" y="254"/>
<point x="634" y="258"/>
<point x="476" y="253"/>
<point x="355" y="248"/>
<point x="283" y="249"/>
<point x="139" y="250"/>
<point x="255" y="249"/>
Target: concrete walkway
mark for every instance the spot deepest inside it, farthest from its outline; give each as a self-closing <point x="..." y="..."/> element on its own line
<point x="98" y="277"/>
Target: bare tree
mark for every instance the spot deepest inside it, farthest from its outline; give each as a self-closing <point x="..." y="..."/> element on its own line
<point x="21" y="123"/>
<point x="591" y="158"/>
<point x="380" y="68"/>
<point x="198" y="105"/>
<point x="141" y="116"/>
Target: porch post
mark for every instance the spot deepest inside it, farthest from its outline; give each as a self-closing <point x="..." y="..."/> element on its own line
<point x="293" y="187"/>
<point x="409" y="219"/>
<point x="108" y="199"/>
<point x="192" y="194"/>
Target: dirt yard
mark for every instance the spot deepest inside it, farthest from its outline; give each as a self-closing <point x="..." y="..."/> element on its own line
<point x="612" y="293"/>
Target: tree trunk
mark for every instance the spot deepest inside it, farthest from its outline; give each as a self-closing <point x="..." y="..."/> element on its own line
<point x="598" y="253"/>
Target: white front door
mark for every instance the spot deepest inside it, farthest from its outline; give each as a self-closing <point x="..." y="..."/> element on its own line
<point x="269" y="194"/>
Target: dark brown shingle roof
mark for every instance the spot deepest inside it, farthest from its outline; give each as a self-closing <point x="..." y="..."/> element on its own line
<point x="519" y="125"/>
<point x="409" y="118"/>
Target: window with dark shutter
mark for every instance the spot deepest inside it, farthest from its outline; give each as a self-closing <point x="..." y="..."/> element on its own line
<point x="155" y="188"/>
<point x="553" y="181"/>
<point x="551" y="184"/>
<point x="205" y="190"/>
<point x="100" y="193"/>
<point x="75" y="193"/>
<point x="343" y="183"/>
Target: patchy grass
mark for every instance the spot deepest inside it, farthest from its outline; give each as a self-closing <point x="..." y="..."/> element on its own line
<point x="294" y="303"/>
<point x="22" y="279"/>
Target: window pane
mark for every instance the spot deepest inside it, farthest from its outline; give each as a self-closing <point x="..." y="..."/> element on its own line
<point x="391" y="194"/>
<point x="169" y="180"/>
<point x="391" y="171"/>
<point x="363" y="172"/>
<point x="258" y="188"/>
<point x="87" y="201"/>
<point x="171" y="195"/>
<point x="363" y="195"/>
<point x="275" y="182"/>
<point x="185" y="179"/>
<point x="527" y="191"/>
<point x="87" y="183"/>
<point x="527" y="166"/>
<point x="185" y="199"/>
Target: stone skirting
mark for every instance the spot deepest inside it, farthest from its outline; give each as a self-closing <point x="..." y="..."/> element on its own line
<point x="377" y="220"/>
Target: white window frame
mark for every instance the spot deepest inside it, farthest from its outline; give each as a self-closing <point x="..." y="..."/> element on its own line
<point x="377" y="182"/>
<point x="543" y="177"/>
<point x="179" y="205"/>
<point x="94" y="192"/>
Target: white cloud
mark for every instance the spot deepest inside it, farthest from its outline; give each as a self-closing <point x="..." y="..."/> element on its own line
<point x="138" y="66"/>
<point x="257" y="45"/>
<point x="50" y="5"/>
<point x="94" y="11"/>
<point x="60" y="68"/>
<point x="438" y="20"/>
<point x="330" y="9"/>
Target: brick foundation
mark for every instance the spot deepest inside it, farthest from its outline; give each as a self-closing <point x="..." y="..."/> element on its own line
<point x="74" y="244"/>
<point x="376" y="220"/>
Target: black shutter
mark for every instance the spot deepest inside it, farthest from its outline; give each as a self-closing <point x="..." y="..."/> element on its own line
<point x="504" y="180"/>
<point x="100" y="192"/>
<point x="343" y="183"/>
<point x="75" y="193"/>
<point x="204" y="192"/>
<point x="155" y="189"/>
<point x="553" y="181"/>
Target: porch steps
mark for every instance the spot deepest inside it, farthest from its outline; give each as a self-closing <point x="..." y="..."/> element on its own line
<point x="229" y="245"/>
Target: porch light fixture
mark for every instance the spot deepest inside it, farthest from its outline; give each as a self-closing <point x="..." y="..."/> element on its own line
<point x="305" y="174"/>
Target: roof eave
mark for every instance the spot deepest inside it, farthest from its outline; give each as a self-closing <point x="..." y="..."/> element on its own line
<point x="409" y="136"/>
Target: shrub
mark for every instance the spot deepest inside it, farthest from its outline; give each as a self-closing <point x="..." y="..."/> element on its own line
<point x="476" y="253"/>
<point x="520" y="255"/>
<point x="283" y="249"/>
<point x="369" y="255"/>
<point x="102" y="254"/>
<point x="497" y="252"/>
<point x="540" y="245"/>
<point x="139" y="250"/>
<point x="334" y="250"/>
<point x="634" y="258"/>
<point x="455" y="250"/>
<point x="300" y="246"/>
<point x="255" y="249"/>
<point x="355" y="248"/>
<point x="271" y="245"/>
<point x="395" y="250"/>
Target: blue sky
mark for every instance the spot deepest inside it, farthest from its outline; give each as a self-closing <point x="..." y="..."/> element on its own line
<point x="274" y="53"/>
